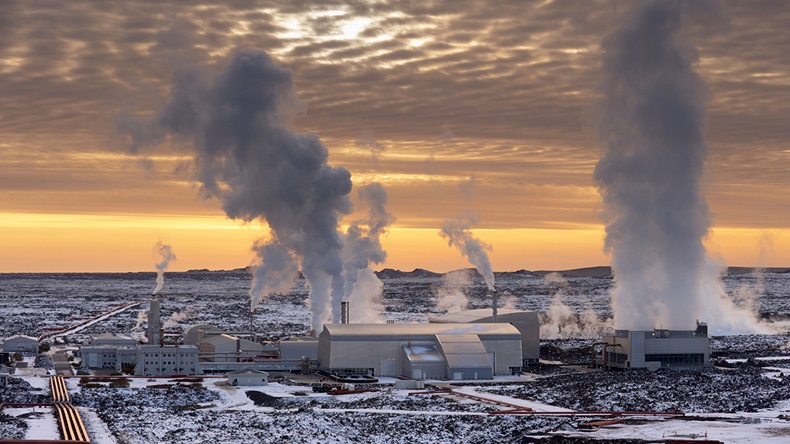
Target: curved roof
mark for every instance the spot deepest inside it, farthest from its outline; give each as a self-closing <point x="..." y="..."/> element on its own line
<point x="191" y="334"/>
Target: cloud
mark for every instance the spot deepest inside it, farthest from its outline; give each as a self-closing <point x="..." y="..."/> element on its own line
<point x="514" y="80"/>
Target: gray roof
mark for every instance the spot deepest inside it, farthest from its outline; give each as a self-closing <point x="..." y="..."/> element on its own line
<point x="422" y="354"/>
<point x="220" y="339"/>
<point x="112" y="336"/>
<point x="247" y="371"/>
<point x="480" y="315"/>
<point x="20" y="337"/>
<point x="397" y="331"/>
<point x="464" y="351"/>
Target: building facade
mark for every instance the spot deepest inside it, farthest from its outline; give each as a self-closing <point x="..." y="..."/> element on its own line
<point x="446" y="351"/>
<point x="655" y="349"/>
<point x="153" y="360"/>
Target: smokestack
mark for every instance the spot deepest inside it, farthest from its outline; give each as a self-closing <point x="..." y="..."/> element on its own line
<point x="154" y="324"/>
<point x="494" y="302"/>
<point x="344" y="312"/>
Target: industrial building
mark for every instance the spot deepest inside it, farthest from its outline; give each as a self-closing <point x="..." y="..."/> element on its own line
<point x="419" y="351"/>
<point x="119" y="352"/>
<point x="655" y="349"/>
<point x="19" y="343"/>
<point x="525" y="321"/>
<point x="155" y="360"/>
<point x="228" y="348"/>
<point x="248" y="377"/>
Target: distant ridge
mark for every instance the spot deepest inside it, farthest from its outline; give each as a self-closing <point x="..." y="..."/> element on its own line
<point x="595" y="272"/>
<point x="600" y="272"/>
<point x="389" y="273"/>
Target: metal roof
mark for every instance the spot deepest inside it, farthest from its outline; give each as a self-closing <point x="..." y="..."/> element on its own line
<point x="477" y="315"/>
<point x="396" y="331"/>
<point x="464" y="351"/>
<point x="422" y="354"/>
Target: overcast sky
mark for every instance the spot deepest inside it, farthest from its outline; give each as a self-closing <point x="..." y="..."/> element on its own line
<point x="484" y="106"/>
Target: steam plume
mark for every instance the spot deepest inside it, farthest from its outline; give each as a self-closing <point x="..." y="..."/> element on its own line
<point x="457" y="234"/>
<point x="563" y="321"/>
<point x="450" y="296"/>
<point x="649" y="176"/>
<point x="235" y="124"/>
<point x="653" y="121"/>
<point x="177" y="317"/>
<point x="361" y="249"/>
<point x="166" y="255"/>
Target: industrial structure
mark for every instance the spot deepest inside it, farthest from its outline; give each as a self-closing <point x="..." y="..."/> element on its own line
<point x="465" y="345"/>
<point x="655" y="349"/>
<point x="420" y="351"/>
<point x="121" y="352"/>
<point x="19" y="343"/>
<point x="248" y="377"/>
<point x="526" y="322"/>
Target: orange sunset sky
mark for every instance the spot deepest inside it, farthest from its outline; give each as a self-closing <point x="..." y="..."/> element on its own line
<point x="455" y="107"/>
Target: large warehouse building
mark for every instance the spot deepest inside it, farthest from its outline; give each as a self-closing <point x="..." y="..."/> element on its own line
<point x="656" y="349"/>
<point x="525" y="321"/>
<point x="421" y="351"/>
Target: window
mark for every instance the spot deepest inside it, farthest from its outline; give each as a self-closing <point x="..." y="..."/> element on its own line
<point x="678" y="360"/>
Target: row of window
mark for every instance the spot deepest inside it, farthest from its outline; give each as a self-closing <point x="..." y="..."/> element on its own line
<point x="678" y="360"/>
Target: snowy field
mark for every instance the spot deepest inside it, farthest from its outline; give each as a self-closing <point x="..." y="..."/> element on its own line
<point x="745" y="399"/>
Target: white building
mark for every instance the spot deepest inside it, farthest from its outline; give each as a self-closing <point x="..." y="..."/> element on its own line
<point x="20" y="343"/>
<point x="656" y="349"/>
<point x="469" y="351"/>
<point x="525" y="321"/>
<point x="153" y="360"/>
<point x="248" y="377"/>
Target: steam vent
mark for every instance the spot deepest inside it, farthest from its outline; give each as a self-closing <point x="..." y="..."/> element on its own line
<point x="655" y="349"/>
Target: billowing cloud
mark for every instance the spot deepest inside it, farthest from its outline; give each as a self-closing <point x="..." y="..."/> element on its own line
<point x="514" y="80"/>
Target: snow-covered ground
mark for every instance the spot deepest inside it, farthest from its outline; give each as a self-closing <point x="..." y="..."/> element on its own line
<point x="747" y="402"/>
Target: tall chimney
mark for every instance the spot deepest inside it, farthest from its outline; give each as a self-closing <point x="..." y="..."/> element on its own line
<point x="154" y="324"/>
<point x="344" y="312"/>
<point x="494" y="302"/>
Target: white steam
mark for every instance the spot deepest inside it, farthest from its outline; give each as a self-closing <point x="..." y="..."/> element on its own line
<point x="362" y="249"/>
<point x="166" y="255"/>
<point x="450" y="295"/>
<point x="457" y="233"/>
<point x="562" y="321"/>
<point x="650" y="177"/>
<point x="177" y="317"/>
<point x="235" y="125"/>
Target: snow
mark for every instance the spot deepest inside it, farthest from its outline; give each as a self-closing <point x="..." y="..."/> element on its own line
<point x="41" y="423"/>
<point x="213" y="411"/>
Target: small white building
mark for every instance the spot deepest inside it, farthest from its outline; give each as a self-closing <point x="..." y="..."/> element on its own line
<point x="20" y="343"/>
<point x="248" y="377"/>
<point x="656" y="349"/>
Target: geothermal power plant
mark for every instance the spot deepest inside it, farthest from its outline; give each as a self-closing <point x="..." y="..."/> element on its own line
<point x="463" y="345"/>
